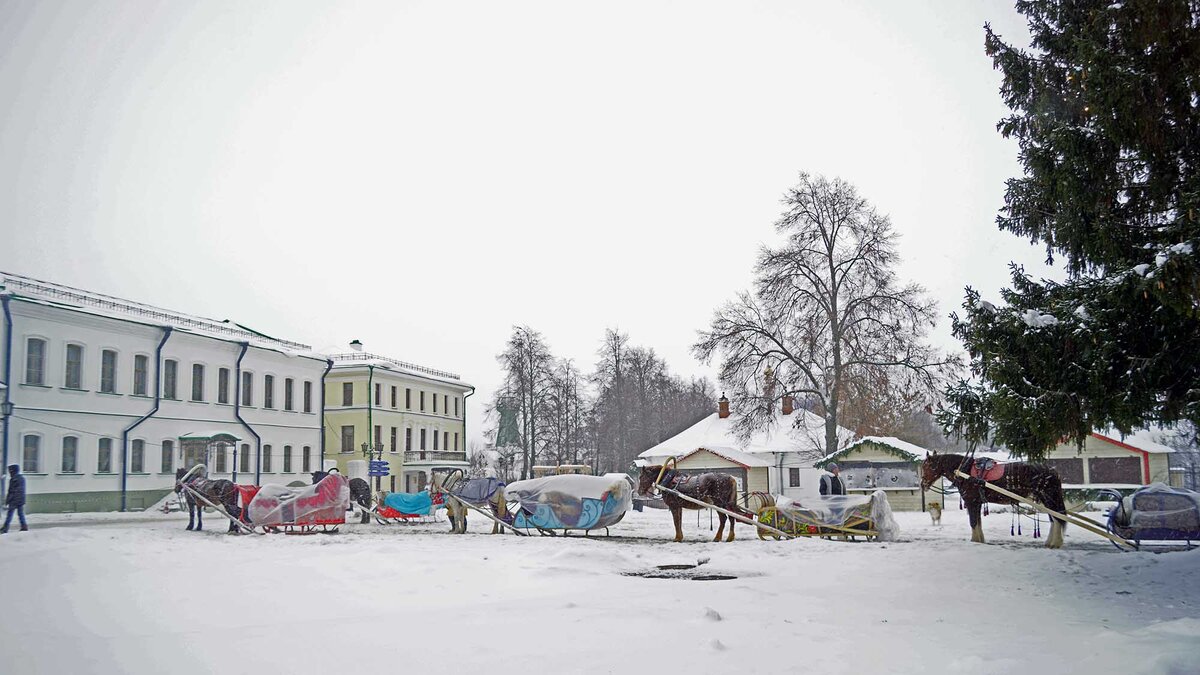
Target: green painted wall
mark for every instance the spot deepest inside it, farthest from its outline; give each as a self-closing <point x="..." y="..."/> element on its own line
<point x="74" y="502"/>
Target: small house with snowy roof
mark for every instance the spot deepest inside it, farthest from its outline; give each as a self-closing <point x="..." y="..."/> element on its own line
<point x="883" y="463"/>
<point x="777" y="459"/>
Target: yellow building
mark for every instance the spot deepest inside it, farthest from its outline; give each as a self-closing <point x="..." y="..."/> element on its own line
<point x="884" y="463"/>
<point x="410" y="416"/>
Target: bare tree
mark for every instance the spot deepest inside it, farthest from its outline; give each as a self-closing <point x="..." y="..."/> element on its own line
<point x="827" y="313"/>
<point x="528" y="383"/>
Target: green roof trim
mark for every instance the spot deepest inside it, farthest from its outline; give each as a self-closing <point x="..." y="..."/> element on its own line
<point x="843" y="453"/>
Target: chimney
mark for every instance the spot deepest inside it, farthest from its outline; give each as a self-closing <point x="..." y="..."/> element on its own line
<point x="787" y="404"/>
<point x="356" y="346"/>
<point x="722" y="406"/>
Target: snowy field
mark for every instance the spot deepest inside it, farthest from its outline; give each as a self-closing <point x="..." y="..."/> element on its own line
<point x="136" y="593"/>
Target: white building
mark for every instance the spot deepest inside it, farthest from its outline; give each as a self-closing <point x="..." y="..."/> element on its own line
<point x="108" y="397"/>
<point x="778" y="460"/>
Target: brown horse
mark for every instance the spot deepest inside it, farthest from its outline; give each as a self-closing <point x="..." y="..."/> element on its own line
<point x="718" y="489"/>
<point x="456" y="507"/>
<point x="221" y="492"/>
<point x="1034" y="481"/>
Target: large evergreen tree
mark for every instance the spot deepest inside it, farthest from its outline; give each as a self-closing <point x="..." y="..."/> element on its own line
<point x="1106" y="112"/>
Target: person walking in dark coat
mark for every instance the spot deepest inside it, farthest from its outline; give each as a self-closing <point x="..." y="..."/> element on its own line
<point x="832" y="483"/>
<point x="15" y="501"/>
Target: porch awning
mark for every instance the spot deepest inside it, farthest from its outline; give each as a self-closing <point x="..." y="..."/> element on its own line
<point x="210" y="436"/>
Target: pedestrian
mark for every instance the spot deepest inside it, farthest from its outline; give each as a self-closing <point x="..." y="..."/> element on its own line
<point x="15" y="501"/>
<point x="831" y="483"/>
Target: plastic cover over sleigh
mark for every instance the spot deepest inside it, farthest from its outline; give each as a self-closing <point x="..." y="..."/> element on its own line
<point x="324" y="503"/>
<point x="1158" y="511"/>
<point x="570" y="502"/>
<point x="869" y="515"/>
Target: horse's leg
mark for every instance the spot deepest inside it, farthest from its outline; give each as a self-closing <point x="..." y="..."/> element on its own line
<point x="365" y="504"/>
<point x="677" y="516"/>
<point x="1053" y="500"/>
<point x="974" y="508"/>
<point x="199" y="517"/>
<point x="731" y="522"/>
<point x="720" y="526"/>
<point x="191" y="513"/>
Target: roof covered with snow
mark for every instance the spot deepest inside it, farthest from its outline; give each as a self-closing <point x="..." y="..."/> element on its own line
<point x="356" y="359"/>
<point x="52" y="294"/>
<point x="732" y="454"/>
<point x="1141" y="439"/>
<point x="902" y="449"/>
<point x="801" y="431"/>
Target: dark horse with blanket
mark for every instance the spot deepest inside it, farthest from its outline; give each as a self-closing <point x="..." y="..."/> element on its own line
<point x="1033" y="481"/>
<point x="718" y="489"/>
<point x="220" y="492"/>
<point x="360" y="493"/>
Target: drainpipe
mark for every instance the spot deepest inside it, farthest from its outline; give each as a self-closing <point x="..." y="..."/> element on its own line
<point x="371" y="422"/>
<point x="465" y="420"/>
<point x="328" y="367"/>
<point x="157" y="399"/>
<point x="780" y="466"/>
<point x="237" y="412"/>
<point x="5" y="296"/>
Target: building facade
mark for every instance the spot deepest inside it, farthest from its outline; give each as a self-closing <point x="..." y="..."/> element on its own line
<point x="884" y="463"/>
<point x="107" y="397"/>
<point x="416" y="415"/>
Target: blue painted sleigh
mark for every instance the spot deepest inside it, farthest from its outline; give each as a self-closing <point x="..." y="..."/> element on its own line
<point x="569" y="502"/>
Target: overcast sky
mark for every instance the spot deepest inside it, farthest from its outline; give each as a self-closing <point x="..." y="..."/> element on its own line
<point x="423" y="175"/>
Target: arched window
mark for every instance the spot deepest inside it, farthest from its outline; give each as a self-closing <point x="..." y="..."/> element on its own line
<point x="306" y="460"/>
<point x="73" y="377"/>
<point x="35" y="361"/>
<point x="108" y="371"/>
<point x="287" y="459"/>
<point x="104" y="456"/>
<point x="219" y="450"/>
<point x="137" y="456"/>
<point x="31" y="454"/>
<point x="244" y="462"/>
<point x="168" y="456"/>
<point x="70" y="454"/>
<point x="266" y="459"/>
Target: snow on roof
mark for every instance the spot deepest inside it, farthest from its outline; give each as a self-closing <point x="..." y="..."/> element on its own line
<point x="57" y="295"/>
<point x="363" y="359"/>
<point x="1142" y="439"/>
<point x="903" y="449"/>
<point x="732" y="454"/>
<point x="784" y="436"/>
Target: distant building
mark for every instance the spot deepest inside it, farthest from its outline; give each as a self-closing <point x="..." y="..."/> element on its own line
<point x="883" y="463"/>
<point x="417" y="414"/>
<point x="107" y="397"/>
<point x="778" y="460"/>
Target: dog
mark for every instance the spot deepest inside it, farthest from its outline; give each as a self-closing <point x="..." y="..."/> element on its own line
<point x="935" y="513"/>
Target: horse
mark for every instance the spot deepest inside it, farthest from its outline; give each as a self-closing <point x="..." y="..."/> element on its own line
<point x="360" y="493"/>
<point x="457" y="509"/>
<point x="1035" y="481"/>
<point x="718" y="489"/>
<point x="221" y="491"/>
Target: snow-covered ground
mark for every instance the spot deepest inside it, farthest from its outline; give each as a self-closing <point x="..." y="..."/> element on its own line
<point x="137" y="593"/>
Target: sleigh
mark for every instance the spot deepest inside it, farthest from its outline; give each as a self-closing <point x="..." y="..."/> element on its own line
<point x="1156" y="513"/>
<point x="569" y="502"/>
<point x="845" y="517"/>
<point x="403" y="507"/>
<point x="297" y="510"/>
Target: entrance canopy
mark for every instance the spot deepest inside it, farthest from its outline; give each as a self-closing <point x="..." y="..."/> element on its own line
<point x="210" y="437"/>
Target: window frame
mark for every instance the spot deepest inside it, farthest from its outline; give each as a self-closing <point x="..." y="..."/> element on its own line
<point x="347" y="440"/>
<point x="62" y="458"/>
<point x="287" y="459"/>
<point x="37" y="449"/>
<point x="108" y="375"/>
<point x="141" y="386"/>
<point x="77" y="371"/>
<point x="137" y="455"/>
<point x="306" y="459"/>
<point x="246" y="389"/>
<point x="289" y="394"/>
<point x="244" y="459"/>
<point x="166" y="451"/>
<point x="100" y="455"/>
<point x="223" y="385"/>
<point x="200" y="398"/>
<point x="41" y="365"/>
<point x="266" y="458"/>
<point x="268" y="391"/>
<point x="170" y="379"/>
<point x="347" y="394"/>
<point x="308" y="396"/>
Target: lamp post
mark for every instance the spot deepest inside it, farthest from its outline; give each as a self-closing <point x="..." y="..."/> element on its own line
<point x="373" y="452"/>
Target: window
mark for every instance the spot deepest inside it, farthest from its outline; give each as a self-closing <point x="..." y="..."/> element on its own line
<point x="378" y="394"/>
<point x="306" y="460"/>
<point x="220" y="459"/>
<point x="422" y="401"/>
<point x="422" y="439"/>
<point x="268" y="391"/>
<point x="31" y="454"/>
<point x="289" y="402"/>
<point x="395" y="433"/>
<point x="307" y="396"/>
<point x="456" y="441"/>
<point x="408" y="398"/>
<point x="393" y="397"/>
<point x="408" y="439"/>
<point x="244" y="462"/>
<point x="435" y="403"/>
<point x="35" y="361"/>
<point x="794" y="477"/>
<point x="435" y="439"/>
<point x="170" y="372"/>
<point x="197" y="382"/>
<point x="108" y="371"/>
<point x="445" y="440"/>
<point x="445" y="404"/>
<point x="247" y="388"/>
<point x="378" y="436"/>
<point x="141" y="375"/>
<point x="348" y="439"/>
<point x="137" y="456"/>
<point x="104" y="456"/>
<point x="287" y="459"/>
<point x="223" y="385"/>
<point x="347" y="393"/>
<point x="456" y="406"/>
<point x="168" y="457"/>
<point x="70" y="454"/>
<point x="266" y="459"/>
<point x="74" y="374"/>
